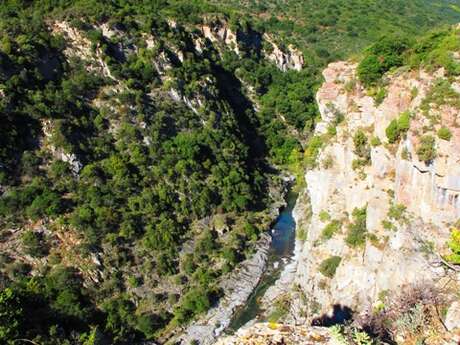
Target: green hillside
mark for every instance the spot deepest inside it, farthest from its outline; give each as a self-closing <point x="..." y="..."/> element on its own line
<point x="332" y="29"/>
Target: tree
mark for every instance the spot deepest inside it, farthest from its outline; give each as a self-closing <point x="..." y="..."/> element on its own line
<point x="34" y="244"/>
<point x="11" y="315"/>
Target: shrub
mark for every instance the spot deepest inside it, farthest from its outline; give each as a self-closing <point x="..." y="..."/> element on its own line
<point x="324" y="216"/>
<point x="397" y="212"/>
<point x="375" y="141"/>
<point x="328" y="162"/>
<point x="362" y="148"/>
<point x="444" y="133"/>
<point x="329" y="266"/>
<point x="357" y="230"/>
<point x="454" y="246"/>
<point x="34" y="244"/>
<point x="405" y="154"/>
<point x="404" y="122"/>
<point x="380" y="58"/>
<point x="392" y="132"/>
<point x="398" y="127"/>
<point x="427" y="151"/>
<point x="357" y="164"/>
<point x="330" y="229"/>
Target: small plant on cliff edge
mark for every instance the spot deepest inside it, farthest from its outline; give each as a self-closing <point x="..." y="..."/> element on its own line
<point x="398" y="127"/>
<point x="444" y="133"/>
<point x="427" y="151"/>
<point x="330" y="229"/>
<point x="362" y="148"/>
<point x="329" y="266"/>
<point x="375" y="141"/>
<point x="357" y="230"/>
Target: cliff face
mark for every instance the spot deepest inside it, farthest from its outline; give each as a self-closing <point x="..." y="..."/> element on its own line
<point x="408" y="204"/>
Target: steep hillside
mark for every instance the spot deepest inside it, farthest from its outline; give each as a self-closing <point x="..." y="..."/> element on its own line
<point x="136" y="173"/>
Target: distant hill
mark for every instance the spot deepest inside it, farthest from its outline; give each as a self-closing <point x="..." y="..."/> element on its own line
<point x="332" y="29"/>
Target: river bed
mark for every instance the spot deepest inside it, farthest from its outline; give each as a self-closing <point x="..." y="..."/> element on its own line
<point x="280" y="255"/>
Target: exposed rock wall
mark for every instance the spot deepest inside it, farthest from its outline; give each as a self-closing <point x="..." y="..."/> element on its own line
<point x="239" y="40"/>
<point x="397" y="252"/>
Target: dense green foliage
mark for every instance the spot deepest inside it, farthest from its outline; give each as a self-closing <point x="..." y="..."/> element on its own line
<point x="116" y="161"/>
<point x="432" y="51"/>
<point x="387" y="53"/>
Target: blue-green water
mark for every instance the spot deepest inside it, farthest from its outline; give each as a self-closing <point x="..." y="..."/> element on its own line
<point x="281" y="251"/>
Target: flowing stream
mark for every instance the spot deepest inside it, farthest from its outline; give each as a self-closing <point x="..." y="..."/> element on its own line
<point x="281" y="252"/>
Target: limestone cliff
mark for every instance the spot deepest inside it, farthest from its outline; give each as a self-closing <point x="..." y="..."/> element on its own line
<point x="409" y="202"/>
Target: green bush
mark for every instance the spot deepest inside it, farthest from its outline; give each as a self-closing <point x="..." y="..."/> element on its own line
<point x="398" y="127"/>
<point x="34" y="244"/>
<point x="427" y="151"/>
<point x="330" y="229"/>
<point x="324" y="216"/>
<point x="362" y="148"/>
<point x="328" y="267"/>
<point x="404" y="122"/>
<point x="375" y="141"/>
<point x="392" y="131"/>
<point x="380" y="58"/>
<point x="397" y="212"/>
<point x="357" y="230"/>
<point x="444" y="133"/>
<point x="454" y="246"/>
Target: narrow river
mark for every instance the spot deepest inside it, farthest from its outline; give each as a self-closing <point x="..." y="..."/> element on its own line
<point x="281" y="252"/>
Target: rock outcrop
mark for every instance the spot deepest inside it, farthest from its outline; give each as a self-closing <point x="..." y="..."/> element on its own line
<point x="275" y="334"/>
<point x="409" y="203"/>
<point x="285" y="59"/>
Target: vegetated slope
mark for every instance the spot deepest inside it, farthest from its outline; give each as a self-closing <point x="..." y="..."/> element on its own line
<point x="134" y="167"/>
<point x="329" y="30"/>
